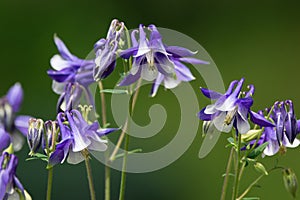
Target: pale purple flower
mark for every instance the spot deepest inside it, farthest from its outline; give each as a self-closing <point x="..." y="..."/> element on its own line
<point x="231" y="109"/>
<point x="9" y="182"/>
<point x="10" y="124"/>
<point x="155" y="61"/>
<point x="77" y="136"/>
<point x="106" y="51"/>
<point x="70" y="71"/>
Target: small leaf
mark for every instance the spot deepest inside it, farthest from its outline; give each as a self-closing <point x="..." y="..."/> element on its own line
<point x="257" y="151"/>
<point x="129" y="152"/>
<point x="114" y="91"/>
<point x="229" y="174"/>
<point x="38" y="156"/>
<point x="250" y="198"/>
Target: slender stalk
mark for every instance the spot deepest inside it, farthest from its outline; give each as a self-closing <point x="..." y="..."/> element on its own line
<point x="120" y="140"/>
<point x="104" y="122"/>
<point x="250" y="186"/>
<point x="103" y="105"/>
<point x="49" y="184"/>
<point x="256" y="181"/>
<point x="123" y="174"/>
<point x="107" y="182"/>
<point x="89" y="174"/>
<point x="237" y="170"/>
<point x="225" y="183"/>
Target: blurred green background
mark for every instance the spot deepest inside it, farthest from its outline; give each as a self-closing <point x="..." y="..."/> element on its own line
<point x="258" y="40"/>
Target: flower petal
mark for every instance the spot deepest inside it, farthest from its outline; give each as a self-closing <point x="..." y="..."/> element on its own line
<point x="193" y="61"/>
<point x="260" y="120"/>
<point x="75" y="157"/>
<point x="4" y="139"/>
<point x="21" y="123"/>
<point x="156" y="84"/>
<point x="15" y="96"/>
<point x="177" y="51"/>
<point x="210" y="93"/>
<point x="63" y="50"/>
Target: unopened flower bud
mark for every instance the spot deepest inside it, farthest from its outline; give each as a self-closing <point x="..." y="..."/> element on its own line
<point x="50" y="135"/>
<point x="260" y="168"/>
<point x="290" y="181"/>
<point x="251" y="135"/>
<point x="35" y="132"/>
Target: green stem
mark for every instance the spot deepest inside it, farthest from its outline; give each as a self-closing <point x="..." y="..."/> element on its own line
<point x="89" y="174"/>
<point x="123" y="175"/>
<point x="237" y="170"/>
<point x="255" y="182"/>
<point x="250" y="186"/>
<point x="225" y="183"/>
<point x="107" y="182"/>
<point x="107" y="168"/>
<point x="49" y="184"/>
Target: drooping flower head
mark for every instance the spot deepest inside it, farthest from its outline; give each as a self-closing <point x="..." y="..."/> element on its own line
<point x="70" y="71"/>
<point x="155" y="61"/>
<point x="77" y="135"/>
<point x="285" y="131"/>
<point x="106" y="51"/>
<point x="10" y="186"/>
<point x="10" y="123"/>
<point x="232" y="109"/>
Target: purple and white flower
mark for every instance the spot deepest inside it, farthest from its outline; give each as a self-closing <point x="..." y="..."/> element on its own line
<point x="77" y="135"/>
<point x="155" y="61"/>
<point x="10" y="124"/>
<point x="10" y="186"/>
<point x="232" y="110"/>
<point x="70" y="71"/>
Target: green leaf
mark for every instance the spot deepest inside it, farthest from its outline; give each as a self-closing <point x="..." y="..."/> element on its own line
<point x="38" y="156"/>
<point x="114" y="91"/>
<point x="250" y="198"/>
<point x="257" y="151"/>
<point x="129" y="152"/>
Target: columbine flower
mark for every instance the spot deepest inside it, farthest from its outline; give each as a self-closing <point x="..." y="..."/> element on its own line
<point x="284" y="133"/>
<point x="10" y="186"/>
<point x="76" y="137"/>
<point x="230" y="109"/>
<point x="155" y="61"/>
<point x="106" y="51"/>
<point x="10" y="124"/>
<point x="70" y="70"/>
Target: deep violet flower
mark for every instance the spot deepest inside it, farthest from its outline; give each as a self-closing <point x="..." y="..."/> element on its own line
<point x="10" y="123"/>
<point x="230" y="109"/>
<point x="68" y="72"/>
<point x="106" y="51"/>
<point x="10" y="186"/>
<point x="284" y="133"/>
<point x="76" y="136"/>
<point x="155" y="61"/>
